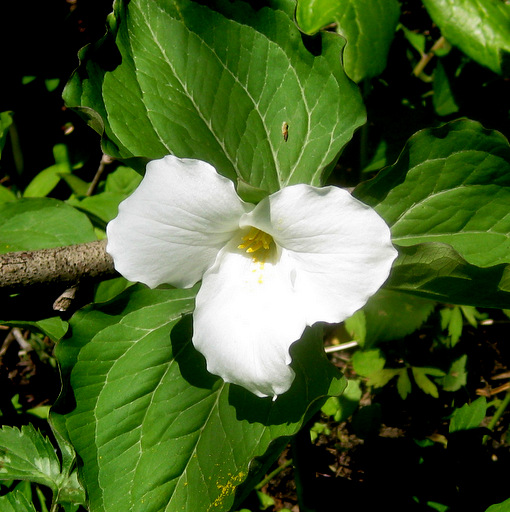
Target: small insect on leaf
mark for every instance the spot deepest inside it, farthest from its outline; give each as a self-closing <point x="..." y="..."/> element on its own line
<point x="285" y="131"/>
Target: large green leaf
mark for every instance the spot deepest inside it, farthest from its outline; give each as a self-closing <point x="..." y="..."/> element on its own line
<point x="450" y="185"/>
<point x="178" y="77"/>
<point x="480" y="28"/>
<point x="41" y="223"/>
<point x="154" y="430"/>
<point x="436" y="271"/>
<point x="367" y="25"/>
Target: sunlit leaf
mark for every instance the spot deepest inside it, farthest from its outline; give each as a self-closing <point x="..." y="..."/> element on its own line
<point x="367" y="25"/>
<point x="450" y="185"/>
<point x="389" y="315"/>
<point x="16" y="502"/>
<point x="182" y="78"/>
<point x="151" y="425"/>
<point x="41" y="223"/>
<point x="469" y="415"/>
<point x="420" y="375"/>
<point x="478" y="27"/>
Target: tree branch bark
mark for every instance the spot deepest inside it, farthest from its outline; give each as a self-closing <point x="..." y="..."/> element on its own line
<point x="64" y="266"/>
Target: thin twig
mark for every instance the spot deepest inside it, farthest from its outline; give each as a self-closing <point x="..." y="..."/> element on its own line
<point x="59" y="266"/>
<point x="105" y="160"/>
<point x="427" y="57"/>
<point x="342" y="346"/>
<point x="271" y="475"/>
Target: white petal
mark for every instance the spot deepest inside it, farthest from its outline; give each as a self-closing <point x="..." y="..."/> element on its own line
<point x="340" y="248"/>
<point x="172" y="227"/>
<point x="245" y="320"/>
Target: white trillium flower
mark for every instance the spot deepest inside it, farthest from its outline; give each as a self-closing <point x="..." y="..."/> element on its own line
<point x="300" y="256"/>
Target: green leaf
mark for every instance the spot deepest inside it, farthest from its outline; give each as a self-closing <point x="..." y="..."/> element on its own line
<point x="456" y="377"/>
<point x="367" y="362"/>
<point x="41" y="223"/>
<point x="151" y="426"/>
<point x="367" y="25"/>
<point x="16" y="502"/>
<point x="389" y="315"/>
<point x="451" y="319"/>
<point x="443" y="99"/>
<point x="53" y="327"/>
<point x="469" y="415"/>
<point x="404" y="386"/>
<point x="27" y="455"/>
<point x="5" y="123"/>
<point x="101" y="207"/>
<point x="504" y="506"/>
<point x="423" y="382"/>
<point x="382" y="377"/>
<point x="450" y="185"/>
<point x="478" y="27"/>
<point x="77" y="185"/>
<point x="224" y="100"/>
<point x="343" y="406"/>
<point x="123" y="180"/>
<point x="46" y="180"/>
<point x="437" y="272"/>
<point x="7" y="195"/>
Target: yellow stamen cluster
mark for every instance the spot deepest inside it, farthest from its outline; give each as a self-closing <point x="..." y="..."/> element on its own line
<point x="255" y="240"/>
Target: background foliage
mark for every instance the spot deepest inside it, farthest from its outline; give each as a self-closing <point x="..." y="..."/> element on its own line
<point x="421" y="93"/>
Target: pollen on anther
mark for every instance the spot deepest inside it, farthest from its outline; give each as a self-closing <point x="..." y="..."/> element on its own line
<point x="255" y="240"/>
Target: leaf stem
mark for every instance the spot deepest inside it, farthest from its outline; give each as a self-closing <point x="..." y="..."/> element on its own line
<point x="497" y="415"/>
<point x="271" y="475"/>
<point x="342" y="346"/>
<point x="427" y="57"/>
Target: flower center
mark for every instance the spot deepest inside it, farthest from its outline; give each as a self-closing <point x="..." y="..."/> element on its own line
<point x="255" y="240"/>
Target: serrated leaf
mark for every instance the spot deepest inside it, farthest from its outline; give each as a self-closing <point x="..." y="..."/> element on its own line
<point x="478" y="27"/>
<point x="456" y="377"/>
<point x="367" y="362"/>
<point x="153" y="429"/>
<point x="367" y="25"/>
<point x="404" y="386"/>
<point x="41" y="223"/>
<point x="224" y="100"/>
<point x="16" y="502"/>
<point x="451" y="319"/>
<point x="469" y="415"/>
<point x="382" y="377"/>
<point x="27" y="455"/>
<point x="451" y="185"/>
<point x="423" y="382"/>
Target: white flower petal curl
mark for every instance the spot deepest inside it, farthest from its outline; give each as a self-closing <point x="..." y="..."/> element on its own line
<point x="172" y="227"/>
<point x="340" y="248"/>
<point x="246" y="318"/>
